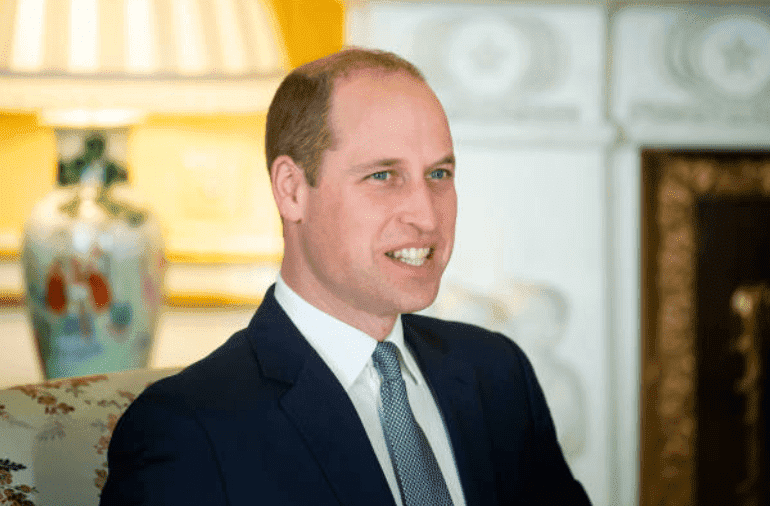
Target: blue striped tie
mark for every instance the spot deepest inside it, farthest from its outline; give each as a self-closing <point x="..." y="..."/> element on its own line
<point x="419" y="476"/>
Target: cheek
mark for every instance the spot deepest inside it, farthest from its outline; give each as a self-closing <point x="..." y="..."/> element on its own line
<point x="322" y="230"/>
<point x="447" y="214"/>
<point x="347" y="228"/>
<point x="447" y="210"/>
<point x="364" y="216"/>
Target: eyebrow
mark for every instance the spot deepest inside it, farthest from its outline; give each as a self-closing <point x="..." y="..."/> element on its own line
<point x="447" y="160"/>
<point x="382" y="162"/>
<point x="390" y="162"/>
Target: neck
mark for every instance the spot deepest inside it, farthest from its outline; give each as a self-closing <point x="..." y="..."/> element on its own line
<point x="375" y="326"/>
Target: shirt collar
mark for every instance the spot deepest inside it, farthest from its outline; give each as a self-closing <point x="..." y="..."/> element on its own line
<point x="345" y="349"/>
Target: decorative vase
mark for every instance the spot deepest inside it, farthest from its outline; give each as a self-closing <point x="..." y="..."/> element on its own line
<point x="93" y="262"/>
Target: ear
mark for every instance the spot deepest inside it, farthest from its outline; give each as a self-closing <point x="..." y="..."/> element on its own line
<point x="289" y="188"/>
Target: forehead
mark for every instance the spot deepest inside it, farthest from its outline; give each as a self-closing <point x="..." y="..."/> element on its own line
<point x="367" y="87"/>
<point x="373" y="103"/>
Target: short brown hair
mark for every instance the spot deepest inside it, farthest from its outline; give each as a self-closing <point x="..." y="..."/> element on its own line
<point x="297" y="120"/>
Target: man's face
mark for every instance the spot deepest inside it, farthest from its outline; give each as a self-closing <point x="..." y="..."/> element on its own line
<point x="378" y="228"/>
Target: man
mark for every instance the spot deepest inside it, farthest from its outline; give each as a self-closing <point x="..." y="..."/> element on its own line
<point x="335" y="394"/>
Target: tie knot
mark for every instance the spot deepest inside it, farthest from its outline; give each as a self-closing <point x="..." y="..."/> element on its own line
<point x="385" y="358"/>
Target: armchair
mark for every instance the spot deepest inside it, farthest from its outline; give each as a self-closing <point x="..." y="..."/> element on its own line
<point x="54" y="436"/>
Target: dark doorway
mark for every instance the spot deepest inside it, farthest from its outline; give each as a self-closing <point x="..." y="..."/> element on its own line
<point x="705" y="235"/>
<point x="733" y="251"/>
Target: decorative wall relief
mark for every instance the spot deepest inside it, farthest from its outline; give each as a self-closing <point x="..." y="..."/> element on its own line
<point x="485" y="66"/>
<point x="534" y="316"/>
<point x="694" y="65"/>
<point x="725" y="56"/>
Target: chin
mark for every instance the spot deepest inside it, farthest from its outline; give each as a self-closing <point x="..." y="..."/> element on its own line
<point x="412" y="303"/>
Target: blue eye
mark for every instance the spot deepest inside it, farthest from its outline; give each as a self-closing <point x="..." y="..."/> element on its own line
<point x="440" y="174"/>
<point x="381" y="176"/>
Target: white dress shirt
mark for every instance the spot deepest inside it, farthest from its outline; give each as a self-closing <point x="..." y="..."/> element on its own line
<point x="348" y="353"/>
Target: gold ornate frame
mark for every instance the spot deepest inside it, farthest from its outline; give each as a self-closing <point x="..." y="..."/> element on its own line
<point x="672" y="183"/>
<point x="750" y="304"/>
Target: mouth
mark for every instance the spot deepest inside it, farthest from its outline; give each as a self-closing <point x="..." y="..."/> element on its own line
<point x="411" y="256"/>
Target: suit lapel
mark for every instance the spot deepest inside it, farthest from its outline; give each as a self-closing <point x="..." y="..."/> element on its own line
<point x="454" y="385"/>
<point x="319" y="408"/>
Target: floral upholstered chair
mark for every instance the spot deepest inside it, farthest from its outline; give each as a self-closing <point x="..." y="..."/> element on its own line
<point x="54" y="436"/>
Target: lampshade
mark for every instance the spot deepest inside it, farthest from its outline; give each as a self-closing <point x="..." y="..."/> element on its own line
<point x="164" y="56"/>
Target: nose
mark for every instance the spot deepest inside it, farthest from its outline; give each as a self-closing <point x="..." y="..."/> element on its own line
<point x="419" y="207"/>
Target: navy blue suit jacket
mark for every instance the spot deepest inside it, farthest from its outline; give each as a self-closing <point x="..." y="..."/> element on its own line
<point x="263" y="420"/>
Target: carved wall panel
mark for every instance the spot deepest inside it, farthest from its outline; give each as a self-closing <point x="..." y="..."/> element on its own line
<point x="693" y="65"/>
<point x="492" y="66"/>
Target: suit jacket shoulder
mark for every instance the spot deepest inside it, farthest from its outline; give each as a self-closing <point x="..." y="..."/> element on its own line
<point x="492" y="356"/>
<point x="263" y="414"/>
<point x="261" y="417"/>
<point x="513" y="442"/>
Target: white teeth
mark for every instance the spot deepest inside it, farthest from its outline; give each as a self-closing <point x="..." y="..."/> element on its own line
<point x="411" y="256"/>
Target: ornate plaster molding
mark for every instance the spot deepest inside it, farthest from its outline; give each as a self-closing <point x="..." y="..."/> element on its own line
<point x="697" y="73"/>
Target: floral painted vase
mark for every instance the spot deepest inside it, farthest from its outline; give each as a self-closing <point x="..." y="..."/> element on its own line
<point x="93" y="262"/>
